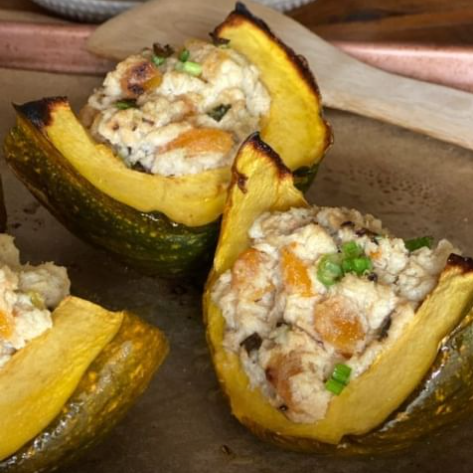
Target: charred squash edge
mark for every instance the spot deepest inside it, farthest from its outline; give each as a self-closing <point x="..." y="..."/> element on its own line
<point x="298" y="60"/>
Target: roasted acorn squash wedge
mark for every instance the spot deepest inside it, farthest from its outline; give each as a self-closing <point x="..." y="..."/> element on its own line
<point x="164" y="225"/>
<point x="147" y="240"/>
<point x="69" y="387"/>
<point x="358" y="420"/>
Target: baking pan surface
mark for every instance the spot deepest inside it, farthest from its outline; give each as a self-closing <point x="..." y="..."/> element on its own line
<point x="183" y="424"/>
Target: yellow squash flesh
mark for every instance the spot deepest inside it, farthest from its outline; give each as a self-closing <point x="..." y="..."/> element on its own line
<point x="199" y="197"/>
<point x="369" y="399"/>
<point x="36" y="383"/>
<point x="294" y="93"/>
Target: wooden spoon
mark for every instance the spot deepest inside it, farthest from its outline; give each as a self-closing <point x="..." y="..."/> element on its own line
<point x="345" y="83"/>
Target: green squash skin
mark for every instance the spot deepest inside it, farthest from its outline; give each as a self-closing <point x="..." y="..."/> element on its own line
<point x="304" y="177"/>
<point x="442" y="401"/>
<point x="150" y="242"/>
<point x="119" y="375"/>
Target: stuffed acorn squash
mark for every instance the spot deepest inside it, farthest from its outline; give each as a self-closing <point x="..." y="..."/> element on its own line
<point x="327" y="333"/>
<point x="145" y="174"/>
<point x="69" y="369"/>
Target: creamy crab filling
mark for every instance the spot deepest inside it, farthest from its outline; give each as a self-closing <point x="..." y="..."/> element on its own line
<point x="28" y="294"/>
<point x="315" y="299"/>
<point x="175" y="113"/>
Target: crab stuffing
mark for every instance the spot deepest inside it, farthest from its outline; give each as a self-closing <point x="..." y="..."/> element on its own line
<point x="178" y="113"/>
<point x="316" y="297"/>
<point x="27" y="296"/>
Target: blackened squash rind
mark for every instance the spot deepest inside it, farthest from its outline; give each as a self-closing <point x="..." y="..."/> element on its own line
<point x="386" y="407"/>
<point x="111" y="384"/>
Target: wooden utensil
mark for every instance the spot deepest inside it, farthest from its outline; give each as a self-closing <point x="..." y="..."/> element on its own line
<point x="345" y="83"/>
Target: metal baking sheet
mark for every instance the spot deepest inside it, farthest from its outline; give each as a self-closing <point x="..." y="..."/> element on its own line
<point x="183" y="424"/>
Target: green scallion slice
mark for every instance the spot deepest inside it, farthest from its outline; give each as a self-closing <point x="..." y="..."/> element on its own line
<point x="351" y="249"/>
<point x="361" y="265"/>
<point x="341" y="373"/>
<point x="330" y="270"/>
<point x="417" y="243"/>
<point x="348" y="266"/>
<point x="184" y="55"/>
<point x="192" y="68"/>
<point x="334" y="386"/>
<point x="218" y="112"/>
<point x="125" y="104"/>
<point x="158" y="60"/>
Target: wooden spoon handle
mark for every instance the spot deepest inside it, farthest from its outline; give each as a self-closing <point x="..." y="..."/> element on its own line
<point x="348" y="84"/>
<point x="345" y="83"/>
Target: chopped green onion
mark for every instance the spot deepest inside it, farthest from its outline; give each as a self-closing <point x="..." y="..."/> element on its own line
<point x="357" y="265"/>
<point x="326" y="279"/>
<point x="341" y="373"/>
<point x="330" y="269"/>
<point x="351" y="249"/>
<point x="218" y="112"/>
<point x="347" y="266"/>
<point x="334" y="266"/>
<point x="158" y="60"/>
<point x="192" y="68"/>
<point x="125" y="104"/>
<point x="334" y="386"/>
<point x="184" y="55"/>
<point x="361" y="265"/>
<point x="417" y="243"/>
